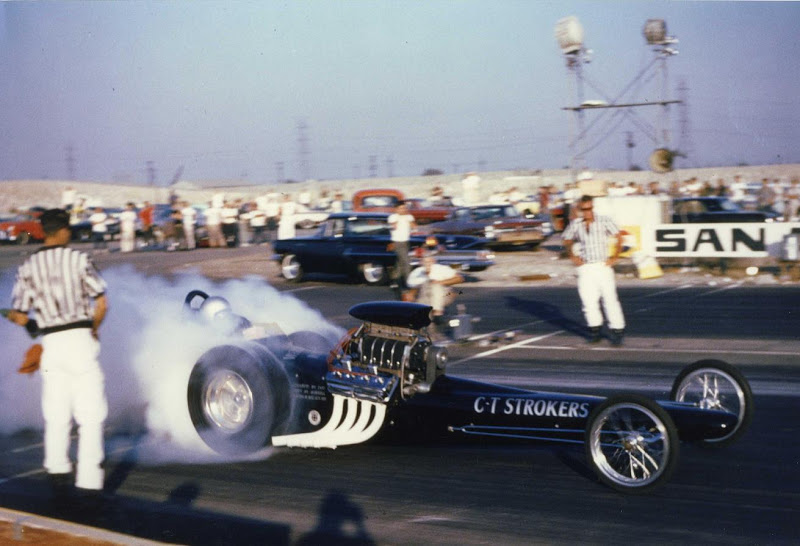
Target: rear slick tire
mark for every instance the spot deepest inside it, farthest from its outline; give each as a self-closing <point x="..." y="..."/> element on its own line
<point x="237" y="396"/>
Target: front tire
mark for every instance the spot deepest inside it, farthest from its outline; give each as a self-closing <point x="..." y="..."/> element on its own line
<point x="631" y="443"/>
<point x="714" y="384"/>
<point x="238" y="396"/>
<point x="23" y="238"/>
<point x="291" y="269"/>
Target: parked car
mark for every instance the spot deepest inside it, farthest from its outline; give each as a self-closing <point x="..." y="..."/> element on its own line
<point x="715" y="209"/>
<point x="427" y="212"/>
<point x="501" y="225"/>
<point x="379" y="200"/>
<point x="386" y="200"/>
<point x="359" y="245"/>
<point x="22" y="228"/>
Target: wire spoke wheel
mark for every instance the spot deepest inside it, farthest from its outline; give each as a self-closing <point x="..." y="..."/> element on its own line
<point x="716" y="385"/>
<point x="631" y="443"/>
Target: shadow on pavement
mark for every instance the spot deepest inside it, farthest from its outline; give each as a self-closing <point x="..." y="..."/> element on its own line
<point x="547" y="312"/>
<point x="171" y="521"/>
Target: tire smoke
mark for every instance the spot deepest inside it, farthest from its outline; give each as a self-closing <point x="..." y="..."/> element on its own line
<point x="148" y="349"/>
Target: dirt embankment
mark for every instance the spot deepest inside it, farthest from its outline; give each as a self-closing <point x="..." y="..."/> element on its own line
<point x="48" y="193"/>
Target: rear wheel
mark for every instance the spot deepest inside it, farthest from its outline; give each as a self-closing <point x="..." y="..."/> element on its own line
<point x="291" y="270"/>
<point x="374" y="273"/>
<point x="631" y="443"/>
<point x="238" y="395"/>
<point x="716" y="385"/>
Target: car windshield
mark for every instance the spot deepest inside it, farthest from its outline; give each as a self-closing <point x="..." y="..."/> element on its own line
<point x="373" y="201"/>
<point x="721" y="205"/>
<point x="503" y="211"/>
<point x="367" y="226"/>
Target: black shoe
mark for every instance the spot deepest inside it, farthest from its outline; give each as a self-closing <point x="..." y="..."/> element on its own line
<point x="616" y="337"/>
<point x="62" y="491"/>
<point x="594" y="335"/>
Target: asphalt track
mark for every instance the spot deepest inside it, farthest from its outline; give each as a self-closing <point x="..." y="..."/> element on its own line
<point x="477" y="493"/>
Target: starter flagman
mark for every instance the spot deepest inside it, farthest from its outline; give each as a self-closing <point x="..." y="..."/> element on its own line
<point x="595" y="268"/>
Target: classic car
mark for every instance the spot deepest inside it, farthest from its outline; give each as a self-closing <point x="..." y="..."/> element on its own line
<point x="358" y="244"/>
<point x="425" y="211"/>
<point x="502" y="226"/>
<point x="377" y="200"/>
<point x="386" y="377"/>
<point x="715" y="209"/>
<point x="22" y="228"/>
<point x="386" y="200"/>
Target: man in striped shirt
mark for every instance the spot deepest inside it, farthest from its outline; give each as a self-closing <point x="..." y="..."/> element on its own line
<point x="600" y="244"/>
<point x="66" y="294"/>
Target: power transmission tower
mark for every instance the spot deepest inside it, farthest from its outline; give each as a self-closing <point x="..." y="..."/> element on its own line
<point x="373" y="166"/>
<point x="630" y="144"/>
<point x="279" y="165"/>
<point x="70" y="162"/>
<point x="302" y="149"/>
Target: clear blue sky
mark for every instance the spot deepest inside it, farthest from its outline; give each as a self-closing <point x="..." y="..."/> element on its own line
<point x="220" y="88"/>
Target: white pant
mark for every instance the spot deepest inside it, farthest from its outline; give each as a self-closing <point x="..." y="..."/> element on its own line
<point x="73" y="386"/>
<point x="596" y="282"/>
<point x="127" y="240"/>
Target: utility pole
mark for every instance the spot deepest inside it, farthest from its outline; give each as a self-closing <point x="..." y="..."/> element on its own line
<point x="151" y="179"/>
<point x="279" y="165"/>
<point x="70" y="162"/>
<point x="302" y="149"/>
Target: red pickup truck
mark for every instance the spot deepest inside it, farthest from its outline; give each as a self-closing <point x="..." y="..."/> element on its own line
<point x="386" y="200"/>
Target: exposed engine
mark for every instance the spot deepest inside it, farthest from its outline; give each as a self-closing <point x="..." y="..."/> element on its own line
<point x="376" y="360"/>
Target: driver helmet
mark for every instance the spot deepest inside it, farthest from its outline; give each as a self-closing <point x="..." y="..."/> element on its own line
<point x="214" y="305"/>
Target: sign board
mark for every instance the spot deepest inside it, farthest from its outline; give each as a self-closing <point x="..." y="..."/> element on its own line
<point x="740" y="240"/>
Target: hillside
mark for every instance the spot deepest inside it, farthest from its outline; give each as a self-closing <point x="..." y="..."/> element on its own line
<point x="25" y="193"/>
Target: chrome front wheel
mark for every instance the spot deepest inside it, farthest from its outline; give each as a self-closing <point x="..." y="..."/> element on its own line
<point x="631" y="443"/>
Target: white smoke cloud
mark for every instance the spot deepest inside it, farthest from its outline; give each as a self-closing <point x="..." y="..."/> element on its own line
<point x="148" y="349"/>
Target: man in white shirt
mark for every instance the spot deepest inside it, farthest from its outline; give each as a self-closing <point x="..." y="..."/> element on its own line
<point x="401" y="224"/>
<point x="127" y="229"/>
<point x="99" y="228"/>
<point x="433" y="282"/>
<point x="286" y="227"/>
<point x="596" y="281"/>
<point x="189" y="215"/>
<point x="213" y="216"/>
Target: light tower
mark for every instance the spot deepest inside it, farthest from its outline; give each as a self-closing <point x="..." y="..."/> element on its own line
<point x="655" y="33"/>
<point x="569" y="35"/>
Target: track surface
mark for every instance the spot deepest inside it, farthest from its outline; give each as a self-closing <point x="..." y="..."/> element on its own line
<point x="475" y="494"/>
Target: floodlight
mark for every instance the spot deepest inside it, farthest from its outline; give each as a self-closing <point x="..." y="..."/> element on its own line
<point x="655" y="31"/>
<point x="569" y="34"/>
